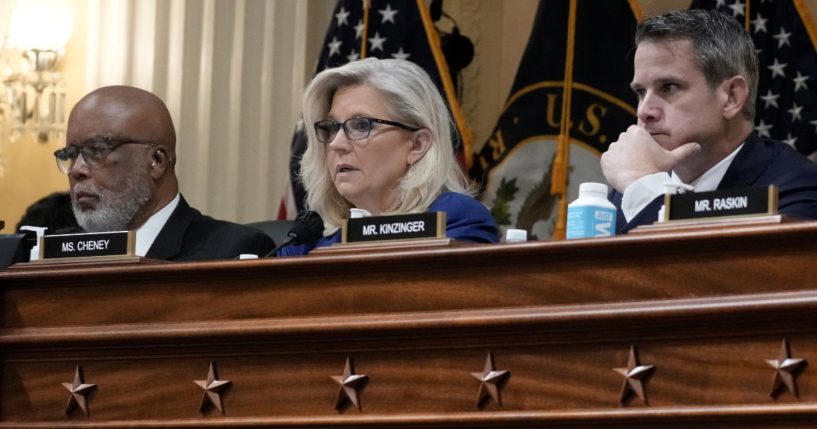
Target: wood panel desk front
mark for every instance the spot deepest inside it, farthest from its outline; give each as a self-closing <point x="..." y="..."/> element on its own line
<point x="706" y="310"/>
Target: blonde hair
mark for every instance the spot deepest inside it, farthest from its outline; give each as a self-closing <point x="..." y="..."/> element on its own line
<point x="412" y="99"/>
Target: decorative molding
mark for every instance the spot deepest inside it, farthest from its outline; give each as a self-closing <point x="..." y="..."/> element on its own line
<point x="556" y="321"/>
<point x="213" y="388"/>
<point x="786" y="371"/>
<point x="350" y="384"/>
<point x="636" y="377"/>
<point x="79" y="391"/>
<point x="491" y="382"/>
<point x="726" y="417"/>
<point x="710" y="317"/>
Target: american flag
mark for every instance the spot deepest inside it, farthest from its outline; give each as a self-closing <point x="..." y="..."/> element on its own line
<point x="399" y="29"/>
<point x="785" y="39"/>
<point x="392" y="29"/>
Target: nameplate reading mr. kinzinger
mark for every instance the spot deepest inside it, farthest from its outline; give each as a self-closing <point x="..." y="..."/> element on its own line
<point x="758" y="201"/>
<point x="395" y="227"/>
<point x="89" y="244"/>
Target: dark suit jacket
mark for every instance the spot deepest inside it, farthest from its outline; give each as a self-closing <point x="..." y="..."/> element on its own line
<point x="760" y="162"/>
<point x="189" y="235"/>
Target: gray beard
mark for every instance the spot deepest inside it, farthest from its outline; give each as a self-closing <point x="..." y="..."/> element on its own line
<point x="116" y="208"/>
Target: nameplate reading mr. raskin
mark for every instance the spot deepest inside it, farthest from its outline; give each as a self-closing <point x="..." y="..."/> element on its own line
<point x="758" y="201"/>
<point x="89" y="244"/>
<point x="395" y="227"/>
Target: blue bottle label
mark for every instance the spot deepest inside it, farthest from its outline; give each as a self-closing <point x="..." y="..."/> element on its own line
<point x="590" y="221"/>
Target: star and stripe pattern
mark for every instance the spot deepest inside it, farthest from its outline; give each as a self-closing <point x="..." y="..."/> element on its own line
<point x="389" y="31"/>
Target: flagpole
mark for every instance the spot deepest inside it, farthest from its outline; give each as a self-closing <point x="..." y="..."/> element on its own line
<point x="366" y="6"/>
<point x="448" y="86"/>
<point x="559" y="177"/>
<point x="746" y="18"/>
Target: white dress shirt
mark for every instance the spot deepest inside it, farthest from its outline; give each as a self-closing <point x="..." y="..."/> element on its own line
<point x="644" y="190"/>
<point x="147" y="233"/>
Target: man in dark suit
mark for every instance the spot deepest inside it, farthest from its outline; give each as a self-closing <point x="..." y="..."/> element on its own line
<point x="696" y="76"/>
<point x="120" y="158"/>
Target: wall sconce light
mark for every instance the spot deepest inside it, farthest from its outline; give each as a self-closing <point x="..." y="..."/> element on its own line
<point x="32" y="93"/>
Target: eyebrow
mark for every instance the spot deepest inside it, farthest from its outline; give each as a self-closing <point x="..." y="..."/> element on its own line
<point x="659" y="81"/>
<point x="356" y="114"/>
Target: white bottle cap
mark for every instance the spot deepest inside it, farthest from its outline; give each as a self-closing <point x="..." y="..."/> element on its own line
<point x="593" y="187"/>
<point x="357" y="213"/>
<point x="515" y="235"/>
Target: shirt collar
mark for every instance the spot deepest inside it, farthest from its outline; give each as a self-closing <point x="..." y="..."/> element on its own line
<point x="710" y="180"/>
<point x="147" y="233"/>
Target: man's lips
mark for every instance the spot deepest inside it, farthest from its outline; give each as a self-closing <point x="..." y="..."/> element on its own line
<point x="85" y="198"/>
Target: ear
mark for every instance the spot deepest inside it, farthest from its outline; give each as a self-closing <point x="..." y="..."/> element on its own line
<point x="735" y="92"/>
<point x="420" y="144"/>
<point x="158" y="163"/>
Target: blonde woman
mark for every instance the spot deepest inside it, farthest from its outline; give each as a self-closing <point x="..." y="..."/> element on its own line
<point x="379" y="139"/>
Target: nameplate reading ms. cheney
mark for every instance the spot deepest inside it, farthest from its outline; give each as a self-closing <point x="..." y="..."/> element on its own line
<point x="89" y="244"/>
<point x="395" y="227"/>
<point x="758" y="201"/>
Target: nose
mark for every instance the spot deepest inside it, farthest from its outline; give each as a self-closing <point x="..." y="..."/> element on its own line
<point x="78" y="170"/>
<point x="649" y="109"/>
<point x="340" y="142"/>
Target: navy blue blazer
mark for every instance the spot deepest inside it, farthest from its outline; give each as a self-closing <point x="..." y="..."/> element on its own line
<point x="466" y="219"/>
<point x="760" y="162"/>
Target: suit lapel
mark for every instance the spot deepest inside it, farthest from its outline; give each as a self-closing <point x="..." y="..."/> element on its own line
<point x="748" y="165"/>
<point x="168" y="243"/>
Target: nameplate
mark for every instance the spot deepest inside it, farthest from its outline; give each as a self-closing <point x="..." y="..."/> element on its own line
<point x="757" y="201"/>
<point x="88" y="244"/>
<point x="395" y="227"/>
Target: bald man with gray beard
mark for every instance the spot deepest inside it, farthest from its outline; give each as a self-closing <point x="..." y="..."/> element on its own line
<point x="120" y="158"/>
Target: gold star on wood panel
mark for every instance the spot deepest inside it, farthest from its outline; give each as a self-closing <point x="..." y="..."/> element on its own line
<point x="349" y="385"/>
<point x="786" y="371"/>
<point x="491" y="382"/>
<point x="79" y="392"/>
<point x="636" y="377"/>
<point x="213" y="387"/>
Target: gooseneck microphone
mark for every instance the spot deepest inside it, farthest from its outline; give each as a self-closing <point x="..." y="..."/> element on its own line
<point x="308" y="228"/>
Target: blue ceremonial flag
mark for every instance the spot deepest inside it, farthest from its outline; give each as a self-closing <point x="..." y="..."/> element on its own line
<point x="570" y="99"/>
<point x="400" y="29"/>
<point x="785" y="39"/>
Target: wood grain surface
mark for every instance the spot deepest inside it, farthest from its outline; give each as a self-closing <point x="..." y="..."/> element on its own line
<point x="707" y="309"/>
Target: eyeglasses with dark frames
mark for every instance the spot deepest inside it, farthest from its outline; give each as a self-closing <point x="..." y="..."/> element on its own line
<point x="94" y="152"/>
<point x="357" y="128"/>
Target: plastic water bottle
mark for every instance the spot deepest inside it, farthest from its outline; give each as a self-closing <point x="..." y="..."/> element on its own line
<point x="591" y="215"/>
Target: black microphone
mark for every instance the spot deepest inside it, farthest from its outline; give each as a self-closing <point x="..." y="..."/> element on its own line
<point x="308" y="228"/>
